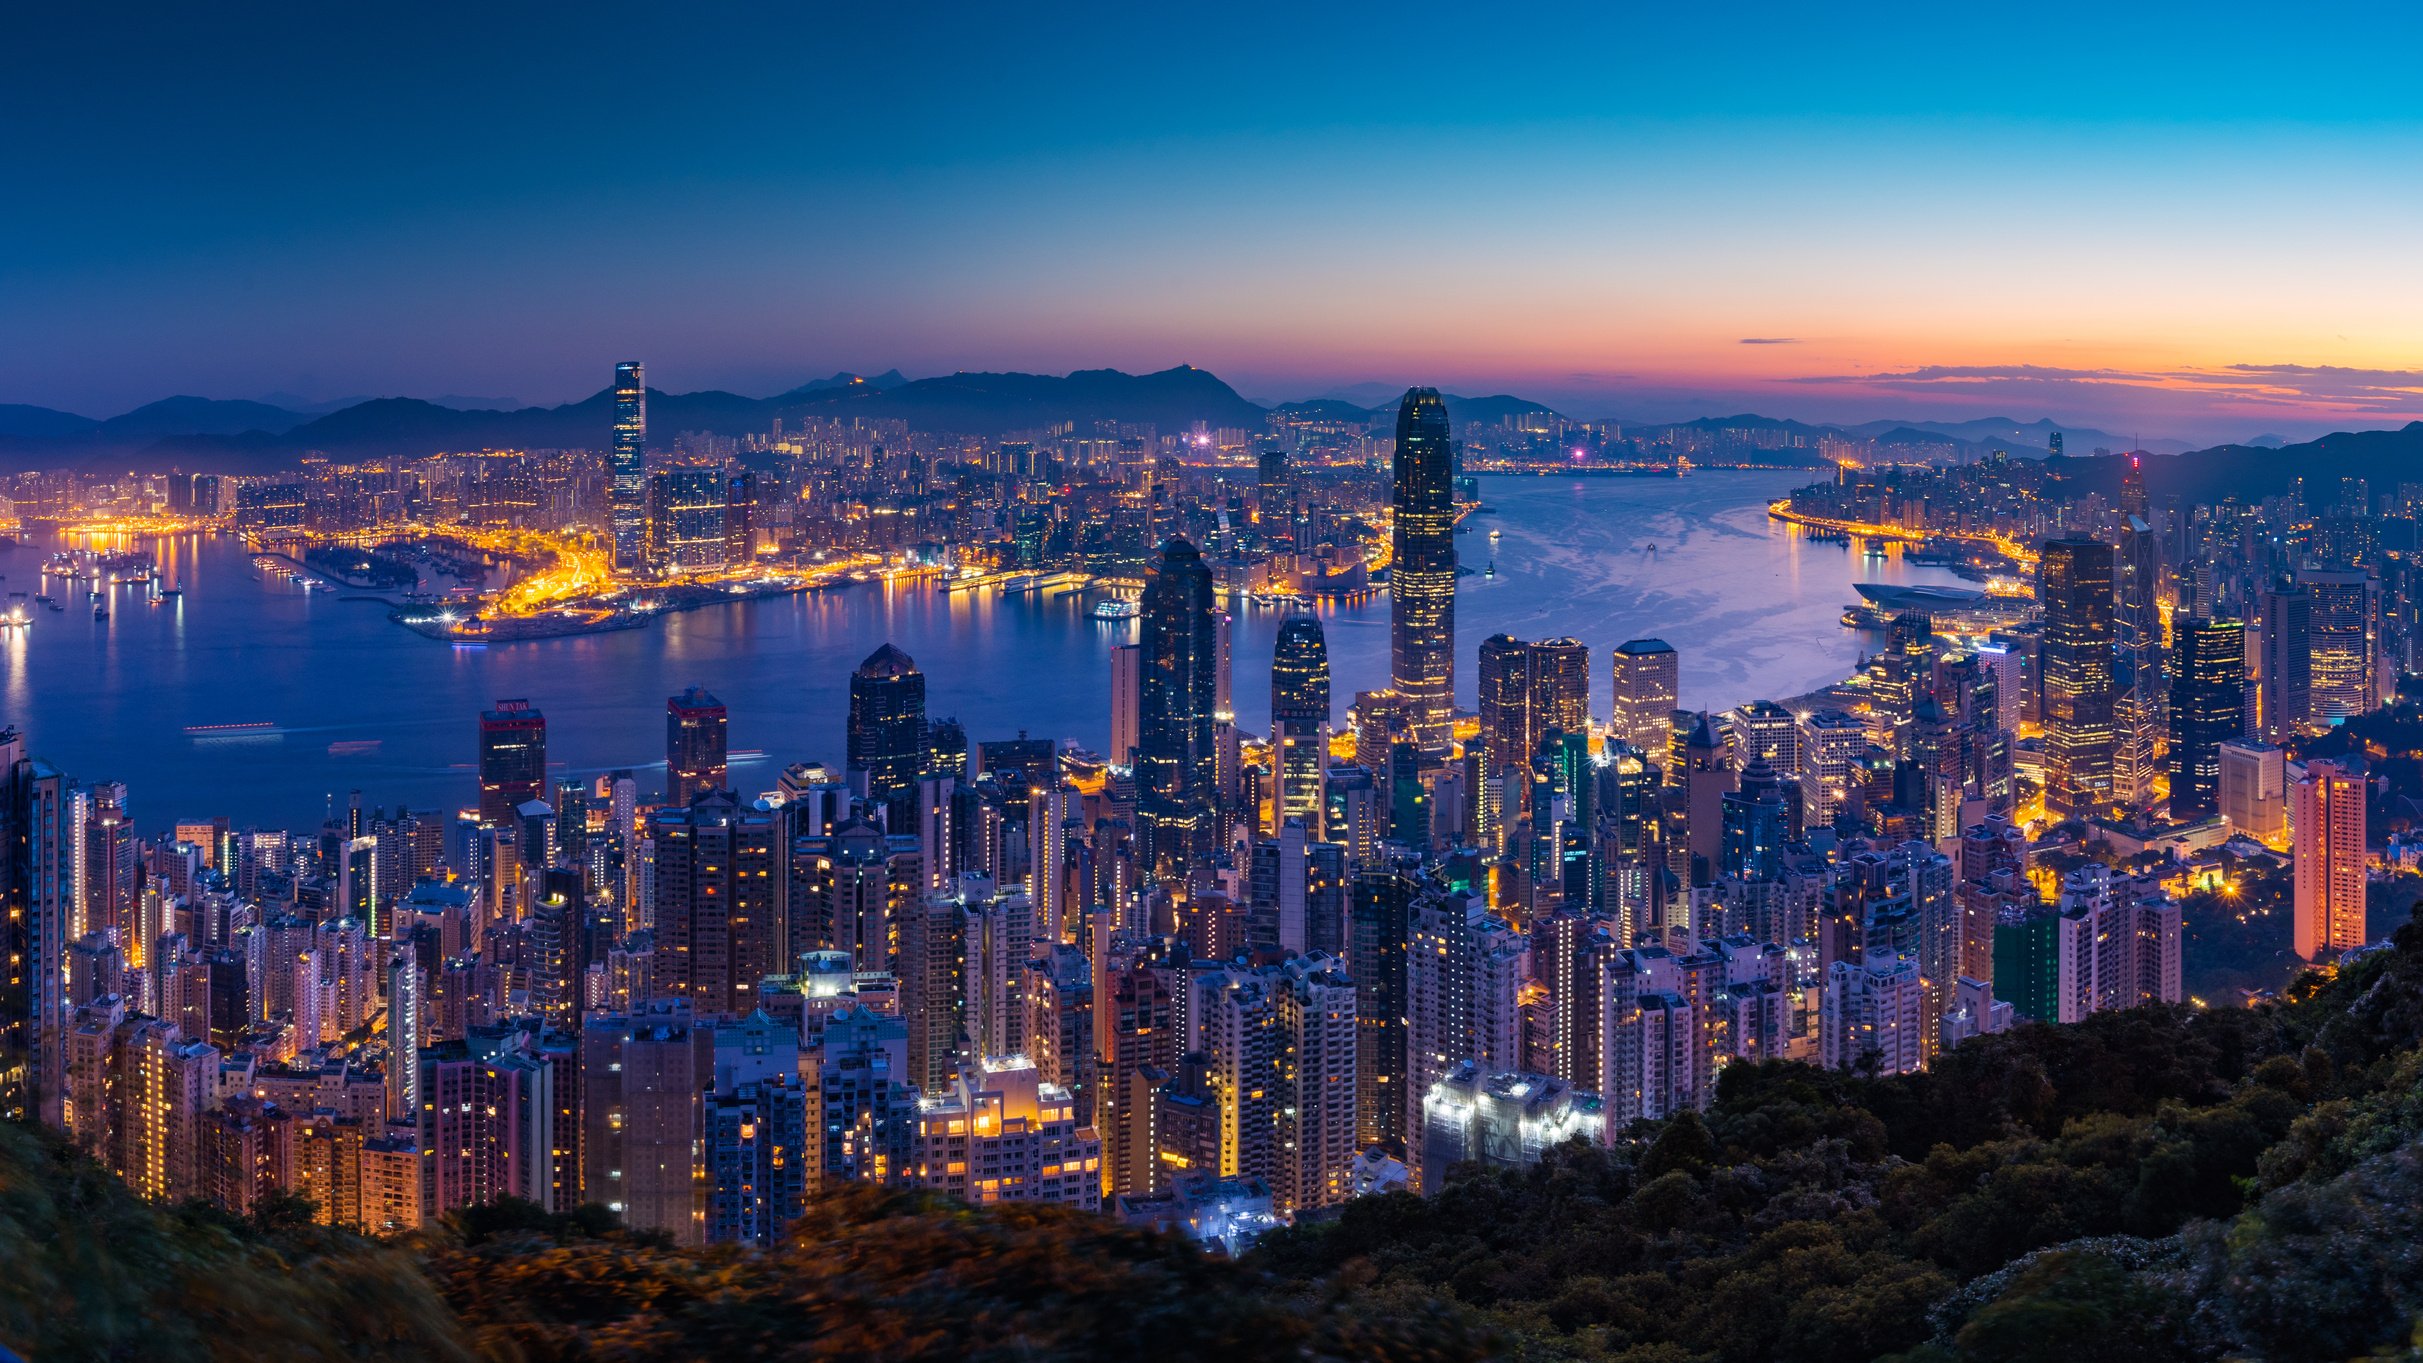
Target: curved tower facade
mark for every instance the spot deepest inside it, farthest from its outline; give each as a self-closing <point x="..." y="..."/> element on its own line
<point x="1421" y="608"/>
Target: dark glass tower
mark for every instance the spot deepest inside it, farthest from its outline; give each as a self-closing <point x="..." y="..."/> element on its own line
<point x="627" y="470"/>
<point x="694" y="746"/>
<point x="2208" y="709"/>
<point x="2074" y="580"/>
<point x="1299" y="714"/>
<point x="1421" y="607"/>
<point x="887" y="740"/>
<point x="1176" y="757"/>
<point x="513" y="760"/>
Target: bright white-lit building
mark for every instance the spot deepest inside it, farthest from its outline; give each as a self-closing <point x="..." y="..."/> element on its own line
<point x="1507" y="1119"/>
<point x="1000" y="1134"/>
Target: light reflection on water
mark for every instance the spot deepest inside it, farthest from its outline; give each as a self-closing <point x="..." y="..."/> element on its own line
<point x="1752" y="608"/>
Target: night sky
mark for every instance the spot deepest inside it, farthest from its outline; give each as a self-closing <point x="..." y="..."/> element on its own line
<point x="2201" y="223"/>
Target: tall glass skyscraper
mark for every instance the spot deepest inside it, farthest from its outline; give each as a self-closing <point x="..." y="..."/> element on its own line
<point x="627" y="471"/>
<point x="2075" y="583"/>
<point x="1421" y="607"/>
<point x="1178" y="691"/>
<point x="2208" y="709"/>
<point x="1299" y="718"/>
<point x="887" y="738"/>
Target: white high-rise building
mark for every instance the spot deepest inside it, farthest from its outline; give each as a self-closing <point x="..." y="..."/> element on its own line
<point x="2254" y="791"/>
<point x="2118" y="943"/>
<point x="1874" y="1008"/>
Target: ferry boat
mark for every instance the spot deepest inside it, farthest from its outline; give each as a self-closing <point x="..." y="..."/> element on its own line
<point x="1116" y="610"/>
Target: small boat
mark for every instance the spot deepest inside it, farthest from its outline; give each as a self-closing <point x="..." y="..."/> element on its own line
<point x="1116" y="610"/>
<point x="100" y="612"/>
<point x="1492" y="570"/>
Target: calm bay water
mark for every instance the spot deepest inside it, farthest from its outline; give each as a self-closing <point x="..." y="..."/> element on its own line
<point x="359" y="703"/>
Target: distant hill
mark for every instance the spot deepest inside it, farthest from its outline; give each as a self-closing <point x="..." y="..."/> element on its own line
<point x="19" y="421"/>
<point x="249" y="436"/>
<point x="2383" y="458"/>
<point x="198" y="416"/>
<point x="1499" y="409"/>
<point x="242" y="437"/>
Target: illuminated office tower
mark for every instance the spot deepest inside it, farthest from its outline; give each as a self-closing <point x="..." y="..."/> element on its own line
<point x="2285" y="693"/>
<point x="627" y="471"/>
<point x="686" y="513"/>
<point x="722" y="895"/>
<point x="2139" y="684"/>
<point x="887" y="734"/>
<point x="694" y="746"/>
<point x="1299" y="720"/>
<point x="2075" y="584"/>
<point x="1176" y="758"/>
<point x="1504" y="703"/>
<point x="2339" y="637"/>
<point x="1274" y="503"/>
<point x="2254" y="791"/>
<point x="1421" y="605"/>
<point x="1648" y="681"/>
<point x="513" y="760"/>
<point x="1526" y="691"/>
<point x="2328" y="824"/>
<point x="2208" y="709"/>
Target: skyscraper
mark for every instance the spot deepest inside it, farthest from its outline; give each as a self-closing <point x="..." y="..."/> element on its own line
<point x="2208" y="709"/>
<point x="887" y="738"/>
<point x="2329" y="835"/>
<point x="513" y="760"/>
<point x="2339" y="638"/>
<point x="2075" y="584"/>
<point x="627" y="471"/>
<point x="694" y="746"/>
<point x="1421" y="608"/>
<point x="1176" y="758"/>
<point x="1647" y="676"/>
<point x="722" y="902"/>
<point x="1299" y="719"/>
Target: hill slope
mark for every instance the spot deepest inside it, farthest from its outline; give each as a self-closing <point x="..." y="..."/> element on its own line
<point x="2156" y="1186"/>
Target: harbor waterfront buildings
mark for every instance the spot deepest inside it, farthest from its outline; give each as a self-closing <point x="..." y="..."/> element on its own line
<point x="1243" y="967"/>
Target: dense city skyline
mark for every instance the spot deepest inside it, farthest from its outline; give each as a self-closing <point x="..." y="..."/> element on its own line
<point x="1701" y="220"/>
<point x="1112" y="863"/>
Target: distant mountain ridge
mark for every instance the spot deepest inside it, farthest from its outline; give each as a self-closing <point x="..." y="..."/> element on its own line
<point x="250" y="436"/>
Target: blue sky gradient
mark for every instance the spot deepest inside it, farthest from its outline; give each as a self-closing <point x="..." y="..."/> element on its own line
<point x="2196" y="220"/>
